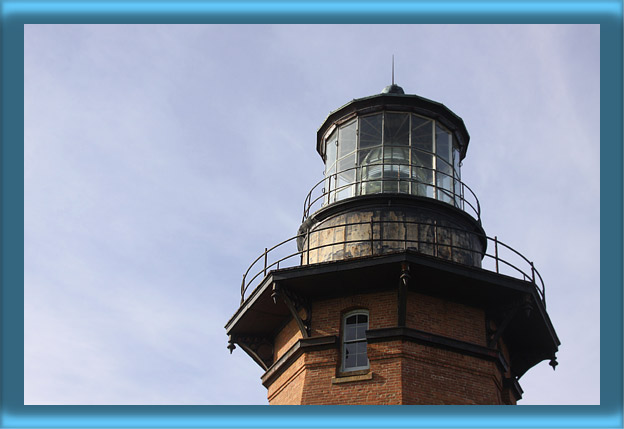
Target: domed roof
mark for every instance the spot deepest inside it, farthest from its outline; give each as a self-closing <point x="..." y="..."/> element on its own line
<point x="393" y="89"/>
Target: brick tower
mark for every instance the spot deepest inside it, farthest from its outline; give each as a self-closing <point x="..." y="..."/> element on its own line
<point x="394" y="293"/>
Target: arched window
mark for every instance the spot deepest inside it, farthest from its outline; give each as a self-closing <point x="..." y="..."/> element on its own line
<point x="354" y="326"/>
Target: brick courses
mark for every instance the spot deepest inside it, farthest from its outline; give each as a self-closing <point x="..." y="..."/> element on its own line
<point x="403" y="372"/>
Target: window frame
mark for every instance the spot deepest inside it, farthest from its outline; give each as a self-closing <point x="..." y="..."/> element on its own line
<point x="344" y="342"/>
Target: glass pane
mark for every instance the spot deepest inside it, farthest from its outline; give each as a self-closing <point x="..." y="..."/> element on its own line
<point x="330" y="149"/>
<point x="345" y="185"/>
<point x="422" y="178"/>
<point x="390" y="186"/>
<point x="361" y="332"/>
<point x="361" y="347"/>
<point x="362" y="318"/>
<point x="396" y="155"/>
<point x="330" y="187"/>
<point x="444" y="167"/>
<point x="422" y="133"/>
<point x="443" y="144"/>
<point x="370" y="131"/>
<point x="369" y="156"/>
<point x="350" y="333"/>
<point x="396" y="129"/>
<point x="361" y="360"/>
<point x="351" y="319"/>
<point x="350" y="355"/>
<point x="369" y="174"/>
<point x="458" y="199"/>
<point x="422" y="159"/>
<point x="404" y="179"/>
<point x="422" y="175"/>
<point x="346" y="163"/>
<point x="391" y="172"/>
<point x="445" y="188"/>
<point x="346" y="139"/>
<point x="456" y="156"/>
<point x="371" y="187"/>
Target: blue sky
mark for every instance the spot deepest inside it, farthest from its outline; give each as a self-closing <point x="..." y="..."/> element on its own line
<point x="160" y="160"/>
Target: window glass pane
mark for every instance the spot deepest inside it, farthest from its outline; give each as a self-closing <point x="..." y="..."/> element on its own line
<point x="422" y="159"/>
<point x="350" y="355"/>
<point x="350" y="333"/>
<point x="396" y="129"/>
<point x="330" y="150"/>
<point x="445" y="188"/>
<point x="456" y="160"/>
<point x="422" y="136"/>
<point x="371" y="187"/>
<point x="345" y="185"/>
<point x="361" y="331"/>
<point x="361" y="347"/>
<point x="422" y="175"/>
<point x="351" y="319"/>
<point x="444" y="167"/>
<point x="396" y="155"/>
<point x="391" y="172"/>
<point x="369" y="156"/>
<point x="362" y="318"/>
<point x="346" y="139"/>
<point x="458" y="199"/>
<point x="346" y="163"/>
<point x="443" y="143"/>
<point x="370" y="131"/>
<point x="369" y="174"/>
<point x="331" y="188"/>
<point x="421" y="179"/>
<point x="361" y="360"/>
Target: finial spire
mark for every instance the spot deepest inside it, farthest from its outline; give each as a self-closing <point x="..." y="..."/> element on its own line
<point x="393" y="89"/>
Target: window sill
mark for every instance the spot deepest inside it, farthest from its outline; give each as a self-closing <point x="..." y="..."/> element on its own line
<point x="352" y="378"/>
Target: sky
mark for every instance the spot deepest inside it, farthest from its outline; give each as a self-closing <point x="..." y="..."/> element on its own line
<point x="160" y="161"/>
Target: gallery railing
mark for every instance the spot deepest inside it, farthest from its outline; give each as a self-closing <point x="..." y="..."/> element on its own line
<point x="453" y="192"/>
<point x="504" y="259"/>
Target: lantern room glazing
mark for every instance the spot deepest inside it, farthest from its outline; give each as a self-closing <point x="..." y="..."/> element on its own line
<point x="392" y="152"/>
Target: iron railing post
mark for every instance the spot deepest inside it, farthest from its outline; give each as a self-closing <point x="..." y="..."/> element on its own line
<point x="496" y="252"/>
<point x="372" y="231"/>
<point x="243" y="289"/>
<point x="405" y="236"/>
<point x="451" y="237"/>
<point x="308" y="245"/>
<point x="435" y="238"/>
<point x="265" y="260"/>
<point x="532" y="273"/>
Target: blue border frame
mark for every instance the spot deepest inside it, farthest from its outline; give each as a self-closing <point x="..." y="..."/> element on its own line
<point x="607" y="13"/>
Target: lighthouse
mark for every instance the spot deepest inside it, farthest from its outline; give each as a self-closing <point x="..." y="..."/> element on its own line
<point x="391" y="292"/>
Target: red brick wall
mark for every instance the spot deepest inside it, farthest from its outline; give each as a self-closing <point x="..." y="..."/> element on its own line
<point x="402" y="372"/>
<point x="447" y="318"/>
<point x="285" y="339"/>
<point x="327" y="315"/>
<point x="288" y="389"/>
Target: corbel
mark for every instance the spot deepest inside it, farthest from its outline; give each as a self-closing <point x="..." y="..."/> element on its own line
<point x="259" y="348"/>
<point x="294" y="303"/>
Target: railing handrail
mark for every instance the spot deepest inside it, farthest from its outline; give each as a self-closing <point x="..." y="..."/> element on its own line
<point x="534" y="276"/>
<point x="310" y="200"/>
